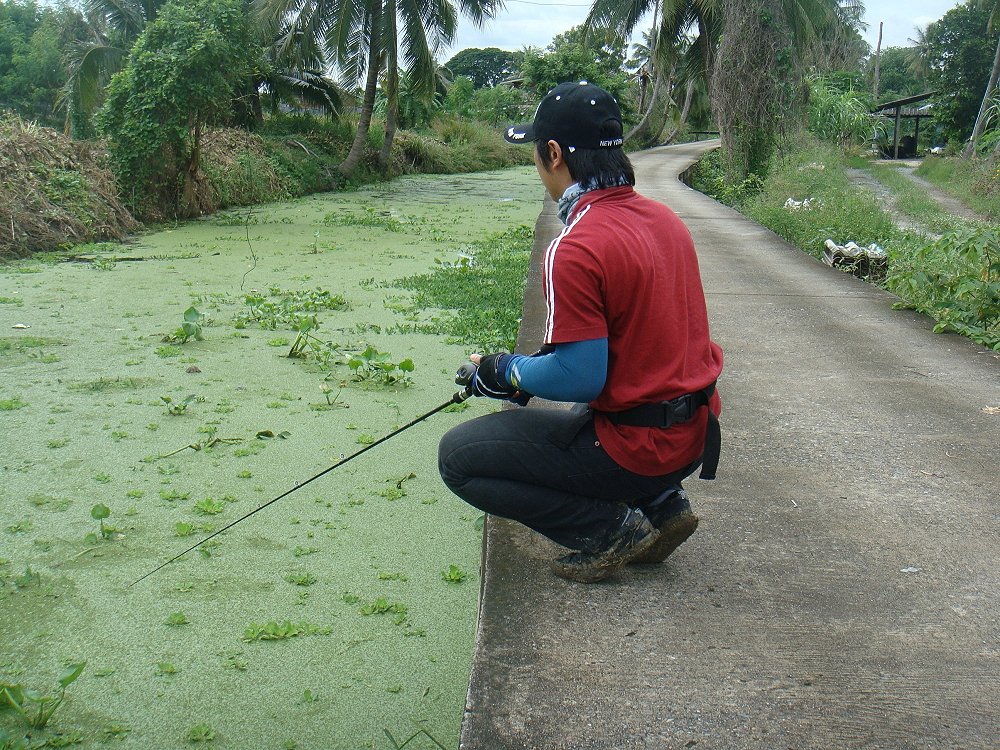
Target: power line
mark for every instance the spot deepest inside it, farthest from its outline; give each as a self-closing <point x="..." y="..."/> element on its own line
<point x="562" y="5"/>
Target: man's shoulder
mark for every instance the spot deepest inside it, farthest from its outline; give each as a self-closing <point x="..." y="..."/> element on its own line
<point x="624" y="204"/>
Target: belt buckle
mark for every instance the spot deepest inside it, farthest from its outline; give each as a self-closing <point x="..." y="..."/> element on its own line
<point x="675" y="411"/>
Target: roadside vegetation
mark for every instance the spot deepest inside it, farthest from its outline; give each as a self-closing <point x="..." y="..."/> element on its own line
<point x="941" y="264"/>
<point x="977" y="185"/>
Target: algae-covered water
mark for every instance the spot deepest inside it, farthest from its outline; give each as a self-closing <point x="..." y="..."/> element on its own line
<point x="342" y="616"/>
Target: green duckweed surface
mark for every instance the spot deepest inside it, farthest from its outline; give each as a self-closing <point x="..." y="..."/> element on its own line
<point x="342" y="616"/>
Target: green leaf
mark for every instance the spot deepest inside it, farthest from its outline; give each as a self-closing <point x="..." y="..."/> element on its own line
<point x="100" y="512"/>
<point x="407" y="365"/>
<point x="71" y="674"/>
<point x="191" y="315"/>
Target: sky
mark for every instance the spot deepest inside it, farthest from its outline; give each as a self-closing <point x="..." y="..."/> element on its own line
<point x="536" y="22"/>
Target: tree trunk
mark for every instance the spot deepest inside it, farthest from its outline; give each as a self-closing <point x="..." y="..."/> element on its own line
<point x="371" y="86"/>
<point x="391" y="86"/>
<point x="709" y="58"/>
<point x="977" y="131"/>
<point x="688" y="98"/>
<point x="189" y="197"/>
<point x="643" y="85"/>
<point x="653" y="98"/>
<point x="258" y="110"/>
<point x="391" y="118"/>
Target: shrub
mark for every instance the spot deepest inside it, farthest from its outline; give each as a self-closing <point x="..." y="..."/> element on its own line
<point x="180" y="78"/>
<point x="955" y="280"/>
<point x="840" y="116"/>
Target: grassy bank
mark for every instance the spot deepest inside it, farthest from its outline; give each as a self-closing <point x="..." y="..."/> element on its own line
<point x="58" y="193"/>
<point x="55" y="192"/>
<point x="954" y="278"/>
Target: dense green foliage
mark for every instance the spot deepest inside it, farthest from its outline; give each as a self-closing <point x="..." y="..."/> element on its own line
<point x="955" y="280"/>
<point x="484" y="67"/>
<point x="495" y="106"/>
<point x="839" y="115"/>
<point x="960" y="53"/>
<point x="899" y="76"/>
<point x="33" y="40"/>
<point x="577" y="56"/>
<point x="181" y="77"/>
<point x="484" y="291"/>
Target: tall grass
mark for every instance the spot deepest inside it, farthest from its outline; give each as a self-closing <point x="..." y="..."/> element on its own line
<point x="975" y="183"/>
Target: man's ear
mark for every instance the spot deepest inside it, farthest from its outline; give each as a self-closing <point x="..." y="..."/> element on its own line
<point x="555" y="154"/>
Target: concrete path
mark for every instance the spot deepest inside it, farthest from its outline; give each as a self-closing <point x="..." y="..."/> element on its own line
<point x="842" y="591"/>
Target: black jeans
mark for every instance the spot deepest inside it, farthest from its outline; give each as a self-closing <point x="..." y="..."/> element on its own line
<point x="546" y="469"/>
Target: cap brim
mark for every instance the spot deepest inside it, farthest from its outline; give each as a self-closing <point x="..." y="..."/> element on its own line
<point x="520" y="134"/>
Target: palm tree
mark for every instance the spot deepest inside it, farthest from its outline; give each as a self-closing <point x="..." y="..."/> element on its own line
<point x="672" y="20"/>
<point x="683" y="39"/>
<point x="115" y="25"/>
<point x="841" y="46"/>
<point x="980" y="126"/>
<point x="371" y="36"/>
<point x="919" y="57"/>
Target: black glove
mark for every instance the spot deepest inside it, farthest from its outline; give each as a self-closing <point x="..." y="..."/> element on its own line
<point x="489" y="380"/>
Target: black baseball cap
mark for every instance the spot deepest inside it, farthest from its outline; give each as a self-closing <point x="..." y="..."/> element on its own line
<point x="572" y="115"/>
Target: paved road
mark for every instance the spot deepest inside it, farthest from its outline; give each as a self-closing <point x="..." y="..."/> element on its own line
<point x="842" y="591"/>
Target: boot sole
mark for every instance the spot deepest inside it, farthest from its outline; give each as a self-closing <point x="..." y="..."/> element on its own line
<point x="673" y="533"/>
<point x="599" y="571"/>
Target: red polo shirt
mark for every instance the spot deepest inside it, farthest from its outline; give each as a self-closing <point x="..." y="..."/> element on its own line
<point x="625" y="268"/>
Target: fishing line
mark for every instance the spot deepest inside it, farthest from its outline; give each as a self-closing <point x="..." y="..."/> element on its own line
<point x="463" y="377"/>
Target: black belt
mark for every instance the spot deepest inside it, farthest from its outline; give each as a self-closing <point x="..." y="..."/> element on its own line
<point x="677" y="411"/>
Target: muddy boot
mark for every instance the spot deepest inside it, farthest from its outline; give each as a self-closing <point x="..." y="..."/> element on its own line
<point x="634" y="537"/>
<point x="672" y="516"/>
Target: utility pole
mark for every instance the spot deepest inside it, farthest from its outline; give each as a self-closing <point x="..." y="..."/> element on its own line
<point x="878" y="53"/>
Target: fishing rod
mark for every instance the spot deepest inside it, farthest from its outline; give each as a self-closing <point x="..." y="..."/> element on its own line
<point x="463" y="378"/>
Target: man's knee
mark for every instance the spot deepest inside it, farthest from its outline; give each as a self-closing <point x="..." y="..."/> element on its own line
<point x="448" y="464"/>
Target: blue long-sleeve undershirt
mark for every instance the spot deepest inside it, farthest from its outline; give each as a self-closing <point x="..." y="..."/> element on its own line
<point x="574" y="371"/>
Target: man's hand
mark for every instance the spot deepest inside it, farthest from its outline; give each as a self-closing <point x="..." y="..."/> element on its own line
<point x="489" y="380"/>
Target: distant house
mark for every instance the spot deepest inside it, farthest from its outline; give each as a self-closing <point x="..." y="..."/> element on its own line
<point x="902" y="146"/>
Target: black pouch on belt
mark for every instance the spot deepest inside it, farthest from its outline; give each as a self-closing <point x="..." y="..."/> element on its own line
<point x="666" y="414"/>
